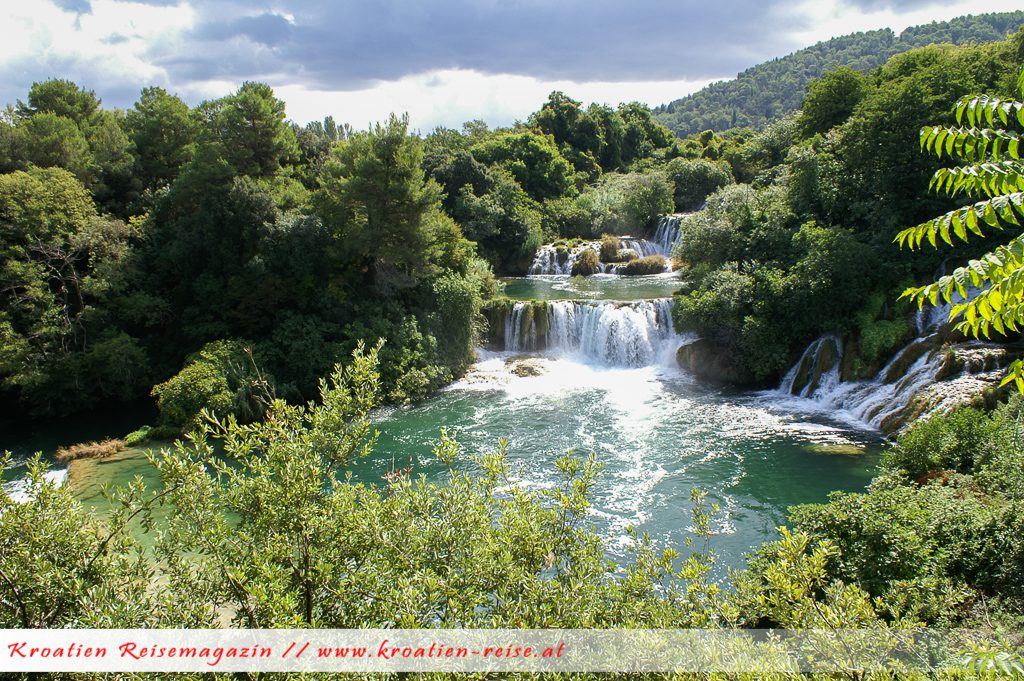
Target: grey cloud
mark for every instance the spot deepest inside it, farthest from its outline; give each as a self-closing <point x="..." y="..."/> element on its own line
<point x="77" y="6"/>
<point x="349" y="44"/>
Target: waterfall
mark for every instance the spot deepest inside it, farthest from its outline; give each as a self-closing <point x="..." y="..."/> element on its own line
<point x="18" y="490"/>
<point x="816" y="370"/>
<point x="880" y="400"/>
<point x="667" y="234"/>
<point x="608" y="333"/>
<point x="552" y="259"/>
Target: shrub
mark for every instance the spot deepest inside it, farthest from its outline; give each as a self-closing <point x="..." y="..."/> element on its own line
<point x="138" y="437"/>
<point x="950" y="443"/>
<point x="652" y="264"/>
<point x="695" y="180"/>
<point x="586" y="263"/>
<point x="220" y="378"/>
<point x="610" y="248"/>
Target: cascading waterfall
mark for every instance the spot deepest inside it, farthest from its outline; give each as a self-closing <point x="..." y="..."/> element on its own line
<point x="609" y="333"/>
<point x="883" y="399"/>
<point x="816" y="370"/>
<point x="667" y="234"/>
<point x="552" y="259"/>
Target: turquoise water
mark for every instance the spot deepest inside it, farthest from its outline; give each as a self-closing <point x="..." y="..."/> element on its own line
<point x="657" y="432"/>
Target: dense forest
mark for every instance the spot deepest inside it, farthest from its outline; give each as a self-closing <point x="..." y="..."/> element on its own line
<point x="206" y="254"/>
<point x="774" y="89"/>
<point x="802" y="244"/>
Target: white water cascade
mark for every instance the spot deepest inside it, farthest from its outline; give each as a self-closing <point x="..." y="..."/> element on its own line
<point x="885" y="400"/>
<point x="667" y="233"/>
<point x="551" y="259"/>
<point x="609" y="333"/>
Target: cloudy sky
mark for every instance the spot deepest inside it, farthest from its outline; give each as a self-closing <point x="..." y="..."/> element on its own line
<point x="442" y="61"/>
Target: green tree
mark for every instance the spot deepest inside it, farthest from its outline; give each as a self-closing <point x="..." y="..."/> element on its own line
<point x="695" y="180"/>
<point x="992" y="172"/>
<point x="376" y="199"/>
<point x="51" y="140"/>
<point x="503" y="221"/>
<point x="831" y="99"/>
<point x="59" y="349"/>
<point x="534" y="160"/>
<point x="162" y="131"/>
<point x="61" y="98"/>
<point x="250" y="126"/>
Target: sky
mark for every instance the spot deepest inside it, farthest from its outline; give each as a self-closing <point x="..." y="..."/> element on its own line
<point x="441" y="61"/>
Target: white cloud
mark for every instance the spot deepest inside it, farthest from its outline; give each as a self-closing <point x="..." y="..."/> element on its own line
<point x="118" y="47"/>
<point x="451" y="97"/>
<point x="115" y="42"/>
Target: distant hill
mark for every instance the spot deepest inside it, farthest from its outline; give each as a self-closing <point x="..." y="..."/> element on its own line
<point x="770" y="90"/>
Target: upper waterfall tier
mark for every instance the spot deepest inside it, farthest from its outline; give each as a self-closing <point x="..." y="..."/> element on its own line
<point x="560" y="258"/>
<point x="608" y="333"/>
<point x="596" y="287"/>
<point x="667" y="233"/>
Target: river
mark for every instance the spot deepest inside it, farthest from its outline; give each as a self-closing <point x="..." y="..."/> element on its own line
<point x="599" y="377"/>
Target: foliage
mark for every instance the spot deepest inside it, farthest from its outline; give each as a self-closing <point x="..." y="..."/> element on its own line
<point x="62" y="567"/>
<point x="221" y="378"/>
<point x="57" y="351"/>
<point x="249" y="126"/>
<point x="629" y="203"/>
<point x="992" y="174"/>
<point x="939" y="529"/>
<point x="695" y="180"/>
<point x="503" y="220"/>
<point x="138" y="437"/>
<point x="162" y="132"/>
<point x="831" y="100"/>
<point x="600" y="138"/>
<point x="776" y="88"/>
<point x="652" y="264"/>
<point x="534" y="161"/>
<point x="586" y="263"/>
<point x="810" y="223"/>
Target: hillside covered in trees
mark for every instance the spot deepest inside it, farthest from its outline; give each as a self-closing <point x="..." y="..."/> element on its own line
<point x="769" y="91"/>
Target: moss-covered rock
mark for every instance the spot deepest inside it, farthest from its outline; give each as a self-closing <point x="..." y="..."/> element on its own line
<point x="652" y="264"/>
<point x="706" y="360"/>
<point x="586" y="263"/>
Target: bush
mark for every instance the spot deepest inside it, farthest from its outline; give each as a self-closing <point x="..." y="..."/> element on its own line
<point x="695" y="180"/>
<point x="220" y="378"/>
<point x="938" y="444"/>
<point x="138" y="437"/>
<point x="610" y="248"/>
<point x="652" y="264"/>
<point x="586" y="263"/>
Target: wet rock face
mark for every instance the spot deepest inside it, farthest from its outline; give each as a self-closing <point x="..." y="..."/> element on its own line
<point x="976" y="358"/>
<point x="706" y="361"/>
<point x="526" y="366"/>
<point x="815" y="366"/>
